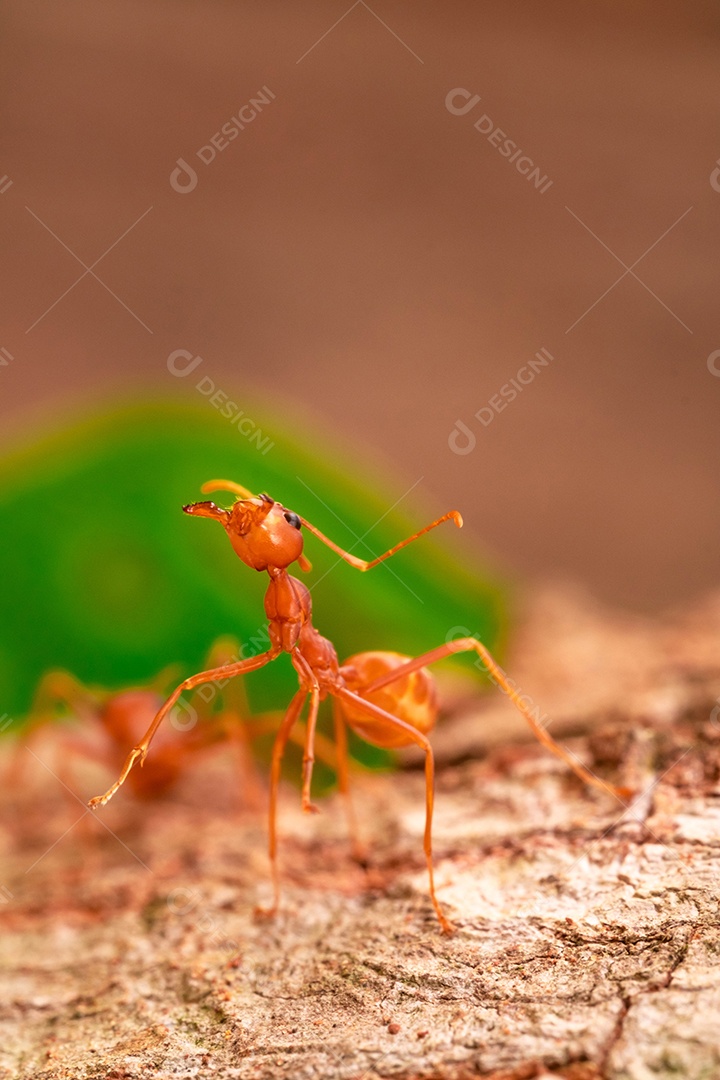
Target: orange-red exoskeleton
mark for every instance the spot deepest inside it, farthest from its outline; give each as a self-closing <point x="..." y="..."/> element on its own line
<point x="386" y="698"/>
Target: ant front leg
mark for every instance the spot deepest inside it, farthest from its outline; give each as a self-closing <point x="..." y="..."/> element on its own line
<point x="139" y="752"/>
<point x="498" y="676"/>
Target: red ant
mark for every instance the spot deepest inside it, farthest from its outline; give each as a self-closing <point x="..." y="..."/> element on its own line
<point x="386" y="698"/>
<point x="122" y="716"/>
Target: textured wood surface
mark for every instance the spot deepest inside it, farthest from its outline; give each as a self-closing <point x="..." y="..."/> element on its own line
<point x="588" y="935"/>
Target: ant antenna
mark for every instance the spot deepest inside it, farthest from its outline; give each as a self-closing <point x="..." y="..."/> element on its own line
<point x="361" y="564"/>
<point x="228" y="485"/>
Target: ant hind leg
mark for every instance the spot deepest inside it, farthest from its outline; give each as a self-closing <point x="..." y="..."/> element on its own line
<point x="498" y="676"/>
<point x="413" y="735"/>
<point x="290" y="718"/>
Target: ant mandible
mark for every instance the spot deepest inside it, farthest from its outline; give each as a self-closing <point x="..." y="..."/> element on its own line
<point x="386" y="698"/>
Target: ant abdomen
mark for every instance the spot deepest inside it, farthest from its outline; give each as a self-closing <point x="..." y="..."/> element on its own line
<point x="411" y="698"/>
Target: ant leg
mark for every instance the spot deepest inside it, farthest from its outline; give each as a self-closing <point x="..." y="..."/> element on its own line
<point x="267" y="724"/>
<point x="231" y="723"/>
<point x="139" y="752"/>
<point x="69" y="747"/>
<point x="279" y="745"/>
<point x="498" y="676"/>
<point x="307" y="677"/>
<point x="413" y="735"/>
<point x="59" y="688"/>
<point x="358" y="848"/>
<point x="55" y="689"/>
<point x="164" y="678"/>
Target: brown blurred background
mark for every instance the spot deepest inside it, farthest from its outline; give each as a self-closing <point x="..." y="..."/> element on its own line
<point x="362" y="256"/>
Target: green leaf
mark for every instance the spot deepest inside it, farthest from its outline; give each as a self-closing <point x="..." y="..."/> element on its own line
<point x="104" y="576"/>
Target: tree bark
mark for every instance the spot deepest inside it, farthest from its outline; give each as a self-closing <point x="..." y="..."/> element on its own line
<point x="587" y="936"/>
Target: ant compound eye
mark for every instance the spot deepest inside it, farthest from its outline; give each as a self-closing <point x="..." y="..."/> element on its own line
<point x="293" y="520"/>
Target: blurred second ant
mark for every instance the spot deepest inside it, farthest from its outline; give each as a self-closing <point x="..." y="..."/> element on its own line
<point x="107" y="720"/>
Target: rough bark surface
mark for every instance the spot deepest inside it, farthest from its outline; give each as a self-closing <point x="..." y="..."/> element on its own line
<point x="587" y="941"/>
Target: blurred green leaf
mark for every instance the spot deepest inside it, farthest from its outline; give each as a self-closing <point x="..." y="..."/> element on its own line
<point x="104" y="576"/>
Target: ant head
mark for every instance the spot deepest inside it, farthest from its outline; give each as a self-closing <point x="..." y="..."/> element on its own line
<point x="262" y="532"/>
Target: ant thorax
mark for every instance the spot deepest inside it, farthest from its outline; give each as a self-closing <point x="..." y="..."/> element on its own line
<point x="287" y="599"/>
<point x="320" y="655"/>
